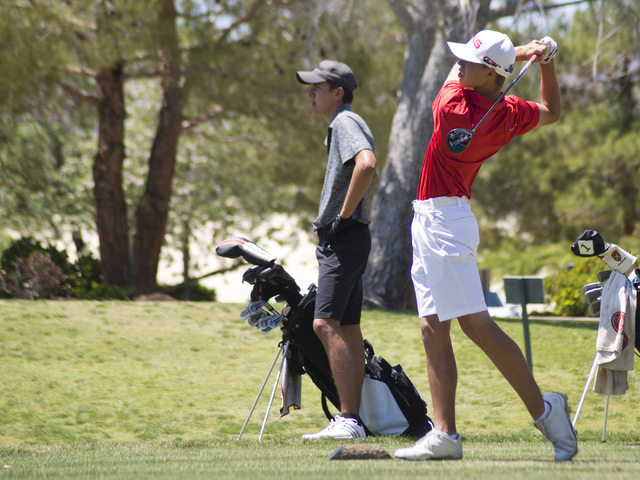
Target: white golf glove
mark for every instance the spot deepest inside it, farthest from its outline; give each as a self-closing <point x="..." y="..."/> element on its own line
<point x="552" y="49"/>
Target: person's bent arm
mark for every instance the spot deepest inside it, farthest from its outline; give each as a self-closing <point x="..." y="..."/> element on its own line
<point x="360" y="180"/>
<point x="550" y="105"/>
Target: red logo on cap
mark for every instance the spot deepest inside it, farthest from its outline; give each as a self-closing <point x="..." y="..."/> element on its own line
<point x="490" y="62"/>
<point x="475" y="41"/>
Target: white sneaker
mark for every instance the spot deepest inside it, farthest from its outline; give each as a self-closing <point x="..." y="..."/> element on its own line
<point x="435" y="445"/>
<point x="340" y="429"/>
<point x="557" y="427"/>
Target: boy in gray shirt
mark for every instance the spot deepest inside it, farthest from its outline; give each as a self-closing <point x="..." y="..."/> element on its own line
<point x="344" y="239"/>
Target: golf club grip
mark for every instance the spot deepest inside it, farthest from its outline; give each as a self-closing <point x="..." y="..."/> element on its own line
<point x="524" y="69"/>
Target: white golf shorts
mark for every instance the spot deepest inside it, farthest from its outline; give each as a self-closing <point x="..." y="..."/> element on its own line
<point x="445" y="275"/>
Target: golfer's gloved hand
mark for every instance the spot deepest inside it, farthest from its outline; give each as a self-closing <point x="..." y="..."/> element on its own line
<point x="334" y="228"/>
<point x="552" y="49"/>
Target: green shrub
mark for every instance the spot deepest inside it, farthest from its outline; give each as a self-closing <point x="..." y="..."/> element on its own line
<point x="564" y="288"/>
<point x="30" y="270"/>
<point x="35" y="276"/>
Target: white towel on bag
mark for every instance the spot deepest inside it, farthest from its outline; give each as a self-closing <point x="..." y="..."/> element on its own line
<point x="291" y="390"/>
<point x="616" y="335"/>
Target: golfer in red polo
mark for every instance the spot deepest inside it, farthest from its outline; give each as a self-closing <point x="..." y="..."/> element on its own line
<point x="445" y="236"/>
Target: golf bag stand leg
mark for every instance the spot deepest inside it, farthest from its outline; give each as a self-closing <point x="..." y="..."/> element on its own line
<point x="275" y="386"/>
<point x="594" y="367"/>
<point x="280" y="348"/>
<point x="604" y="425"/>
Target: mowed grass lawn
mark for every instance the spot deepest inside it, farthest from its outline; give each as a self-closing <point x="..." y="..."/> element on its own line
<point x="161" y="390"/>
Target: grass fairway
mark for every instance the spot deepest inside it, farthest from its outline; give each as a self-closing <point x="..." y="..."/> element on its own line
<point x="161" y="390"/>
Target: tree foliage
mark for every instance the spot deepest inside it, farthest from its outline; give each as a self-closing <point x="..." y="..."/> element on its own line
<point x="583" y="172"/>
<point x="243" y="143"/>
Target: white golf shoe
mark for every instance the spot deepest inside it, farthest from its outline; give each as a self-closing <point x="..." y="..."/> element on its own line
<point x="557" y="427"/>
<point x="339" y="429"/>
<point x="435" y="445"/>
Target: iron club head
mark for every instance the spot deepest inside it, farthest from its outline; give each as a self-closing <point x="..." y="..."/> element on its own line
<point x="458" y="140"/>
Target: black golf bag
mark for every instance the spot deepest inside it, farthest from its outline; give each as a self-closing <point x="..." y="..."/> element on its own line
<point x="390" y="403"/>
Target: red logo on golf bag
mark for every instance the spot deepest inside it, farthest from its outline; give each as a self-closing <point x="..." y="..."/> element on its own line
<point x="617" y="322"/>
<point x="475" y="41"/>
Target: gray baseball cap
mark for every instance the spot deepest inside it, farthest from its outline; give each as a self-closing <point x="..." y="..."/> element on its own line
<point x="330" y="70"/>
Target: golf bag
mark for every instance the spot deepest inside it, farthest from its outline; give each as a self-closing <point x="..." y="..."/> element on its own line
<point x="390" y="404"/>
<point x="591" y="244"/>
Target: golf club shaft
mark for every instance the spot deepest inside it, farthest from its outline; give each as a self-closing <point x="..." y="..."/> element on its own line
<point x="524" y="69"/>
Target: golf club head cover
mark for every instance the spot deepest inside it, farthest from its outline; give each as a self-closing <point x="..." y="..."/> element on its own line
<point x="269" y="282"/>
<point x="552" y="49"/>
<point x="235" y="247"/>
<point x="618" y="259"/>
<point x="589" y="244"/>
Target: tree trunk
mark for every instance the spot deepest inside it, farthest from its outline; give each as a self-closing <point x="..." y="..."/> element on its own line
<point x="153" y="209"/>
<point x="387" y="281"/>
<point x="628" y="167"/>
<point x="110" y="207"/>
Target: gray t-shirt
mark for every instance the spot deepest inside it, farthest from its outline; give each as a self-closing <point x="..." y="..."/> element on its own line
<point x="348" y="135"/>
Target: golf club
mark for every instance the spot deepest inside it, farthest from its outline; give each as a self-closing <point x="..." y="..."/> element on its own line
<point x="459" y="139"/>
<point x="251" y="309"/>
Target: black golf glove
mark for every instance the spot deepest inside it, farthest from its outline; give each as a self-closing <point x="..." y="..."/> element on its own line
<point x="332" y="230"/>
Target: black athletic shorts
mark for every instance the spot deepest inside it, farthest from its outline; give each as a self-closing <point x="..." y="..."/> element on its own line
<point x="341" y="266"/>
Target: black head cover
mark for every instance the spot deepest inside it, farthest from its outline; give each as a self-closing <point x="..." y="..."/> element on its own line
<point x="589" y="244"/>
<point x="271" y="281"/>
<point x="235" y="247"/>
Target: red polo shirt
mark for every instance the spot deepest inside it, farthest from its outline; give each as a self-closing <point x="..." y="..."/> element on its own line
<point x="445" y="174"/>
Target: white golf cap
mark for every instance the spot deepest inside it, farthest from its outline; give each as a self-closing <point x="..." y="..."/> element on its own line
<point x="489" y="48"/>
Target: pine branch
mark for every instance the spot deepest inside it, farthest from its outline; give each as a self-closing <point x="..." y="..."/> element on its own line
<point x="513" y="7"/>
<point x="246" y="18"/>
<point x="76" y="92"/>
<point x="82" y="71"/>
<point x="226" y="140"/>
<point x="189" y="123"/>
<point x="404" y="16"/>
<point x="196" y="280"/>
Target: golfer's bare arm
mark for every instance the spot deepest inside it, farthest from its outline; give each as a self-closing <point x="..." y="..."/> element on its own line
<point x="360" y="180"/>
<point x="550" y="105"/>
